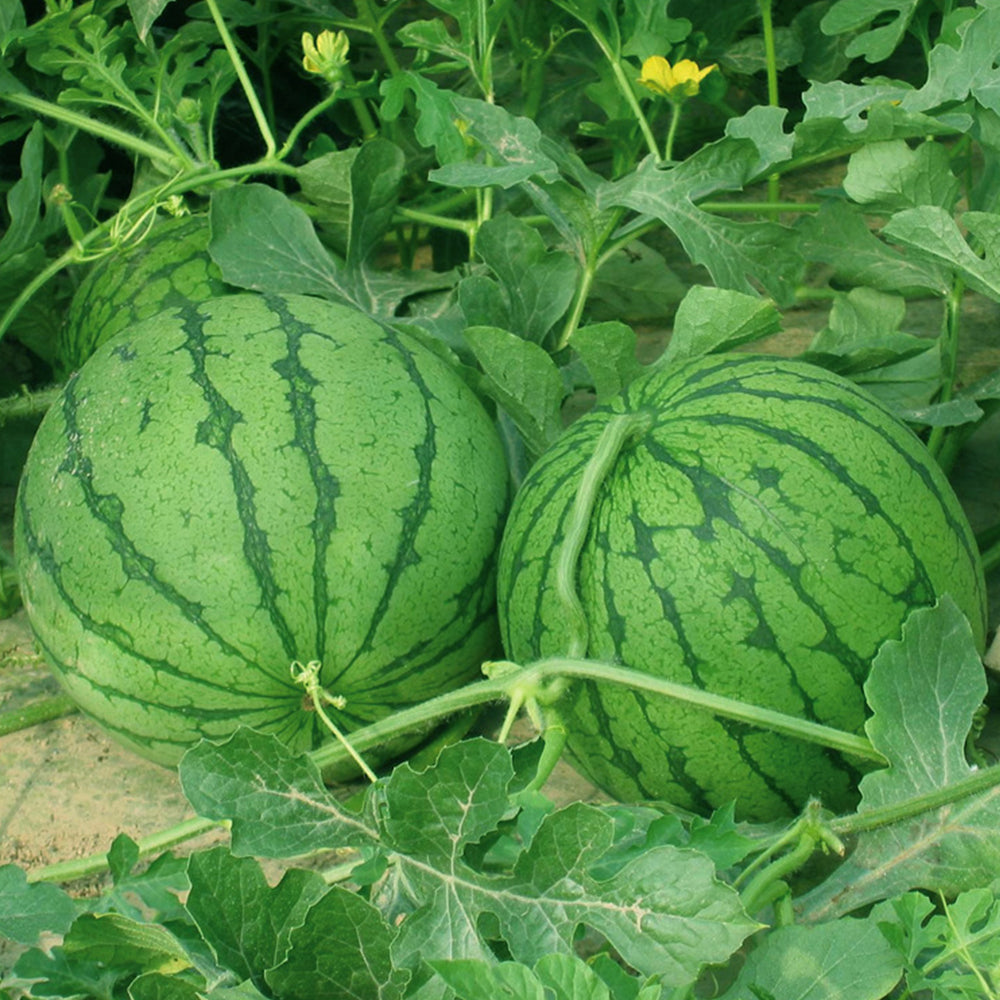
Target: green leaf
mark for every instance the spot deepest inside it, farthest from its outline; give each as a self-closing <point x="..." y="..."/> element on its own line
<point x="831" y="961"/>
<point x="887" y="177"/>
<point x="538" y="284"/>
<point x="841" y="115"/>
<point x="435" y="37"/>
<point x="276" y="799"/>
<point x="427" y="823"/>
<point x="648" y="29"/>
<point x="326" y="182"/>
<point x="863" y="341"/>
<point x="554" y="977"/>
<point x="115" y="941"/>
<point x="435" y="125"/>
<point x="924" y="690"/>
<point x="523" y="379"/>
<point x="863" y="331"/>
<point x="634" y="284"/>
<point x="948" y="954"/>
<point x="515" y="145"/>
<point x="930" y="233"/>
<point x="341" y="951"/>
<point x="53" y="973"/>
<point x="157" y="986"/>
<point x="262" y="241"/>
<point x="684" y="921"/>
<point x="12" y="20"/>
<point x="957" y="72"/>
<point x="744" y="256"/>
<point x="838" y="235"/>
<point x="149" y="892"/>
<point x="877" y="43"/>
<point x="717" y="319"/>
<point x="24" y="198"/>
<point x="144" y="14"/>
<point x="952" y="413"/>
<point x="608" y="351"/>
<point x="477" y="979"/>
<point x="30" y="909"/>
<point x="483" y="302"/>
<point x="749" y="54"/>
<point x="245" y="921"/>
<point x="762" y="125"/>
<point x="376" y="174"/>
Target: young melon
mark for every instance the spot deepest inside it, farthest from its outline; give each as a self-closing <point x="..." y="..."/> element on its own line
<point x="169" y="267"/>
<point x="237" y="485"/>
<point x="759" y="536"/>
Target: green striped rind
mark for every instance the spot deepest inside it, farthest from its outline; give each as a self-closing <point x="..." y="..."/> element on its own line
<point x="251" y="481"/>
<point x="167" y="268"/>
<point x="761" y="540"/>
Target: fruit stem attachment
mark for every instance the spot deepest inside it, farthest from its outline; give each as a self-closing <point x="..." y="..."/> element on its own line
<point x="308" y="677"/>
<point x="619" y="430"/>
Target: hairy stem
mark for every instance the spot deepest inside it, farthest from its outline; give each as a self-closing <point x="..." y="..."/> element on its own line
<point x="40" y="711"/>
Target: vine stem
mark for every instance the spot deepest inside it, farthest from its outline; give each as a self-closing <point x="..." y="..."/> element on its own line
<point x="26" y="405"/>
<point x="949" y="357"/>
<point x="113" y="134"/>
<point x="872" y="819"/>
<point x="771" y="61"/>
<point x="609" y="445"/>
<point x="241" y="73"/>
<point x="308" y="677"/>
<point x="55" y="707"/>
<point x="76" y="868"/>
<point x="543" y="674"/>
<point x="549" y="673"/>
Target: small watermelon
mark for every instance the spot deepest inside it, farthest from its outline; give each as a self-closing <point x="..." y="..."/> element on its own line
<point x="760" y="536"/>
<point x="169" y="267"/>
<point x="237" y="485"/>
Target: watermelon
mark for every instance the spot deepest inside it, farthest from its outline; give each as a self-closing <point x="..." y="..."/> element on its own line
<point x="169" y="267"/>
<point x="239" y="485"/>
<point x="764" y="528"/>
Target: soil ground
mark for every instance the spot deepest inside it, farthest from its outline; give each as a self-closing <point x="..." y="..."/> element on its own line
<point x="66" y="790"/>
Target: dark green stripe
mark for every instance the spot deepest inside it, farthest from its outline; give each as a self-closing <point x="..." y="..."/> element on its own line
<point x="108" y="510"/>
<point x="301" y="384"/>
<point x="216" y="431"/>
<point x="411" y="517"/>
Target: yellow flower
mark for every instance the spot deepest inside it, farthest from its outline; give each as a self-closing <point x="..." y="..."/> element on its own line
<point x="327" y="55"/>
<point x="676" y="83"/>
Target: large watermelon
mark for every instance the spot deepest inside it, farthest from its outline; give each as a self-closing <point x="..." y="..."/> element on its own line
<point x="237" y="485"/>
<point x="168" y="267"/>
<point x="759" y="537"/>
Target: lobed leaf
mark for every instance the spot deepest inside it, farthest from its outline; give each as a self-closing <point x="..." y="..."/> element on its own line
<point x="718" y="319"/>
<point x="341" y="951"/>
<point x="838" y="235"/>
<point x="932" y="234"/>
<point x="743" y="256"/>
<point x="830" y="961"/>
<point x="29" y="910"/>
<point x="537" y="283"/>
<point x="877" y="43"/>
<point x="924" y="690"/>
<point x="247" y="923"/>
<point x="523" y="379"/>
<point x="276" y="799"/>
